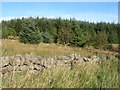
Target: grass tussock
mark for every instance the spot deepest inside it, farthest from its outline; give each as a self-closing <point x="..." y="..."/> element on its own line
<point x="88" y="75"/>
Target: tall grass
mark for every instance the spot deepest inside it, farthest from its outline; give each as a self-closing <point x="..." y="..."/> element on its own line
<point x="13" y="47"/>
<point x="87" y="75"/>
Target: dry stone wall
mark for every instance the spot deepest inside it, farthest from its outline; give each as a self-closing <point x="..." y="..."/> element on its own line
<point x="38" y="63"/>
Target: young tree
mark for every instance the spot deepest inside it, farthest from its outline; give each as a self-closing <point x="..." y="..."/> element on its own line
<point x="65" y="36"/>
<point x="81" y="39"/>
<point x="47" y="38"/>
<point x="101" y="40"/>
<point x="30" y="33"/>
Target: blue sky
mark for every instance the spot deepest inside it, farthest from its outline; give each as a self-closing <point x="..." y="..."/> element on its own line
<point x="89" y="11"/>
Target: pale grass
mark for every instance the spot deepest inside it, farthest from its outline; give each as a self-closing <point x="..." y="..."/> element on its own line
<point x="88" y="75"/>
<point x="13" y="47"/>
<point x="85" y="75"/>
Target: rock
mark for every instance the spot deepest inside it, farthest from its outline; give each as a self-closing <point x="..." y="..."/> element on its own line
<point x="71" y="56"/>
<point x="63" y="58"/>
<point x="38" y="67"/>
<point x="12" y="62"/>
<point x="26" y="62"/>
<point x="24" y="68"/>
<point x="5" y="62"/>
<point x="85" y="59"/>
<point x="35" y="61"/>
<point x="10" y="68"/>
<point x="31" y="66"/>
<point x="74" y="56"/>
<point x="95" y="58"/>
<point x="7" y="69"/>
<point x="91" y="59"/>
<point x="38" y="63"/>
<point x="59" y="62"/>
<point x="77" y="57"/>
<point x="35" y="72"/>
<point x="4" y="70"/>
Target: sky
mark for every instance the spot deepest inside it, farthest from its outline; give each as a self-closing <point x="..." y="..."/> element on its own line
<point x="60" y="0"/>
<point x="88" y="11"/>
<point x="119" y="12"/>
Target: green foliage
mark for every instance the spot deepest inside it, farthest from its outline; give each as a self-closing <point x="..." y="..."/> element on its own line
<point x="72" y="32"/>
<point x="65" y="36"/>
<point x="47" y="38"/>
<point x="6" y="32"/>
<point x="81" y="39"/>
<point x="30" y="34"/>
<point x="112" y="37"/>
<point x="101" y="41"/>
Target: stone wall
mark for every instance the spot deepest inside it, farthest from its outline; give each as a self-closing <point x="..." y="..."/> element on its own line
<point x="38" y="63"/>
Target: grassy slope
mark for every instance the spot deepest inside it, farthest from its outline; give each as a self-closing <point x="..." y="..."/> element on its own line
<point x="104" y="74"/>
<point x="14" y="47"/>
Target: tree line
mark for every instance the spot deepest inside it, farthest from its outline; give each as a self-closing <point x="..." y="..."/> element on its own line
<point x="64" y="31"/>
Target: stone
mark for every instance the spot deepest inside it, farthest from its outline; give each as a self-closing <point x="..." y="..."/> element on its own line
<point x="85" y="59"/>
<point x="63" y="58"/>
<point x="74" y="56"/>
<point x="38" y="67"/>
<point x="24" y="68"/>
<point x="95" y="58"/>
<point x="5" y="63"/>
<point x="71" y="56"/>
<point x="77" y="57"/>
<point x="38" y="63"/>
<point x="31" y="66"/>
<point x="4" y="70"/>
<point x="10" y="68"/>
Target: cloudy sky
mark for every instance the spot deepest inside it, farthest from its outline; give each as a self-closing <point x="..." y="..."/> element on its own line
<point x="88" y="11"/>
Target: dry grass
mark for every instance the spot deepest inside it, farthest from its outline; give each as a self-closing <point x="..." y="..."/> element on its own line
<point x="88" y="75"/>
<point x="12" y="47"/>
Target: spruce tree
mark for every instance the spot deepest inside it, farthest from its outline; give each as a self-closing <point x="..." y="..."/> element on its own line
<point x="30" y="34"/>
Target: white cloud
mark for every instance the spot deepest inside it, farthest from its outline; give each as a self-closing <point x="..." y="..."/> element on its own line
<point x="97" y="17"/>
<point x="92" y="17"/>
<point x="9" y="18"/>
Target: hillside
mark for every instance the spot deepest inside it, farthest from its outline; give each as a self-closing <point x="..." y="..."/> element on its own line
<point x="84" y="72"/>
<point x="69" y="32"/>
<point x="44" y="49"/>
<point x="54" y="45"/>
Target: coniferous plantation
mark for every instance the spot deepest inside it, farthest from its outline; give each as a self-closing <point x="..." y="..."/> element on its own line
<point x="63" y="31"/>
